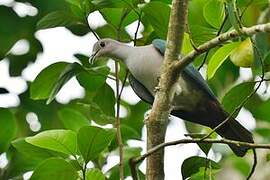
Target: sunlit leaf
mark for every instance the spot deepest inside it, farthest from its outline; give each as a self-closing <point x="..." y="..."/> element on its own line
<point x="64" y="141"/>
<point x="219" y="57"/>
<point x="193" y="164"/>
<point x="93" y="140"/>
<point x="57" y="19"/>
<point x="95" y="174"/>
<point x="157" y="14"/>
<point x="72" y="119"/>
<point x="55" y="169"/>
<point x="70" y="71"/>
<point x="237" y="95"/>
<point x="214" y="13"/>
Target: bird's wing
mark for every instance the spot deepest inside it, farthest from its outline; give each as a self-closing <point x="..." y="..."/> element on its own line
<point x="140" y="90"/>
<point x="189" y="70"/>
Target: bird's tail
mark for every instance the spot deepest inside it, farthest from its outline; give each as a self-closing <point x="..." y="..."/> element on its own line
<point x="233" y="130"/>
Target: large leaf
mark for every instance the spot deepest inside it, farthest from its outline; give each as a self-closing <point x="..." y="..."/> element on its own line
<point x="55" y="169"/>
<point x="64" y="141"/>
<point x="113" y="3"/>
<point x="44" y="82"/>
<point x="214" y="13"/>
<point x="72" y="119"/>
<point x="93" y="140"/>
<point x="105" y="99"/>
<point x="95" y="174"/>
<point x="50" y="80"/>
<point x="94" y="78"/>
<point x="70" y="71"/>
<point x="193" y="164"/>
<point x="219" y="57"/>
<point x="10" y="30"/>
<point x="200" y="30"/>
<point x="157" y="14"/>
<point x="57" y="19"/>
<point x="113" y="17"/>
<point x="8" y="129"/>
<point x="262" y="111"/>
<point x="33" y="153"/>
<point x="237" y="95"/>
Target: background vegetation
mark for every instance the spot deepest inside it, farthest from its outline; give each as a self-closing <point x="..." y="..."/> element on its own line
<point x="69" y="137"/>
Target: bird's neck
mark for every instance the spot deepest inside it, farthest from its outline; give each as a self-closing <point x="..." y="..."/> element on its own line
<point x="122" y="52"/>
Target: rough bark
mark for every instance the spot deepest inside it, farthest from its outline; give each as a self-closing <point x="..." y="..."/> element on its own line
<point x="157" y="121"/>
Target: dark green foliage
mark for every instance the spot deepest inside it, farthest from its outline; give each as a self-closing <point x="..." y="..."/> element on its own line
<point x="69" y="137"/>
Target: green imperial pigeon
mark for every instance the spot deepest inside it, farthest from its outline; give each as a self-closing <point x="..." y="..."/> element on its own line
<point x="194" y="101"/>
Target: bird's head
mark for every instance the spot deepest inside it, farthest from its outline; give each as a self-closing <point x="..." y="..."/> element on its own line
<point x="103" y="48"/>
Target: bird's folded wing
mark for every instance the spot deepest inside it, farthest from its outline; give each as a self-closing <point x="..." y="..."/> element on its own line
<point x="190" y="70"/>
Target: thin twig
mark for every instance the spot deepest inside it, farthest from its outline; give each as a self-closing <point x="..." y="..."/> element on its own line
<point x="236" y="14"/>
<point x="198" y="140"/>
<point x="179" y="65"/>
<point x="137" y="29"/>
<point x="94" y="33"/>
<point x="254" y="164"/>
<point x="119" y="94"/>
<point x="218" y="33"/>
<point x="118" y="98"/>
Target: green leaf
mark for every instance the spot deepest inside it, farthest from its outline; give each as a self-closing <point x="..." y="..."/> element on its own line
<point x="219" y="57"/>
<point x="63" y="141"/>
<point x="8" y="129"/>
<point x="129" y="152"/>
<point x="105" y="99"/>
<point x="157" y="13"/>
<point x="44" y="82"/>
<point x="214" y="13"/>
<point x="69" y="71"/>
<point x="57" y="19"/>
<point x="55" y="169"/>
<point x="93" y="140"/>
<point x="135" y="116"/>
<point x="94" y="78"/>
<point x="262" y="111"/>
<point x="232" y="17"/>
<point x="74" y="2"/>
<point x="112" y="3"/>
<point x="201" y="34"/>
<point x="72" y="119"/>
<point x="113" y="17"/>
<point x="193" y="164"/>
<point x="95" y="174"/>
<point x="32" y="152"/>
<point x="268" y="157"/>
<point x="205" y="147"/>
<point x="237" y="95"/>
<point x="127" y="133"/>
<point x="241" y="165"/>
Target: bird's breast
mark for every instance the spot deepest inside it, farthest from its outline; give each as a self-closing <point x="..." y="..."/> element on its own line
<point x="145" y="67"/>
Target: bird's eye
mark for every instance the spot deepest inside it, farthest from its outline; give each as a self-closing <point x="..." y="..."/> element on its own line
<point x="102" y="44"/>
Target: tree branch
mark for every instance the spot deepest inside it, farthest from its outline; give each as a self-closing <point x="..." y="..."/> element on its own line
<point x="156" y="123"/>
<point x="179" y="65"/>
<point x="198" y="140"/>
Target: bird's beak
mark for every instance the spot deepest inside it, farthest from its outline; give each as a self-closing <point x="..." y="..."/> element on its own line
<point x="93" y="57"/>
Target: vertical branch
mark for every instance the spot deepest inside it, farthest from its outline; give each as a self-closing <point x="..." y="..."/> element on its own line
<point x="118" y="99"/>
<point x="118" y="124"/>
<point x="119" y="93"/>
<point x="157" y="120"/>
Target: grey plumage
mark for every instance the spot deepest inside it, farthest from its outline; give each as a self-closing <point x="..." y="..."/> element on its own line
<point x="193" y="101"/>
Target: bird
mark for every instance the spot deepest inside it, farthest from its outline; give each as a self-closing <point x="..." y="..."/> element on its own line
<point x="193" y="101"/>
